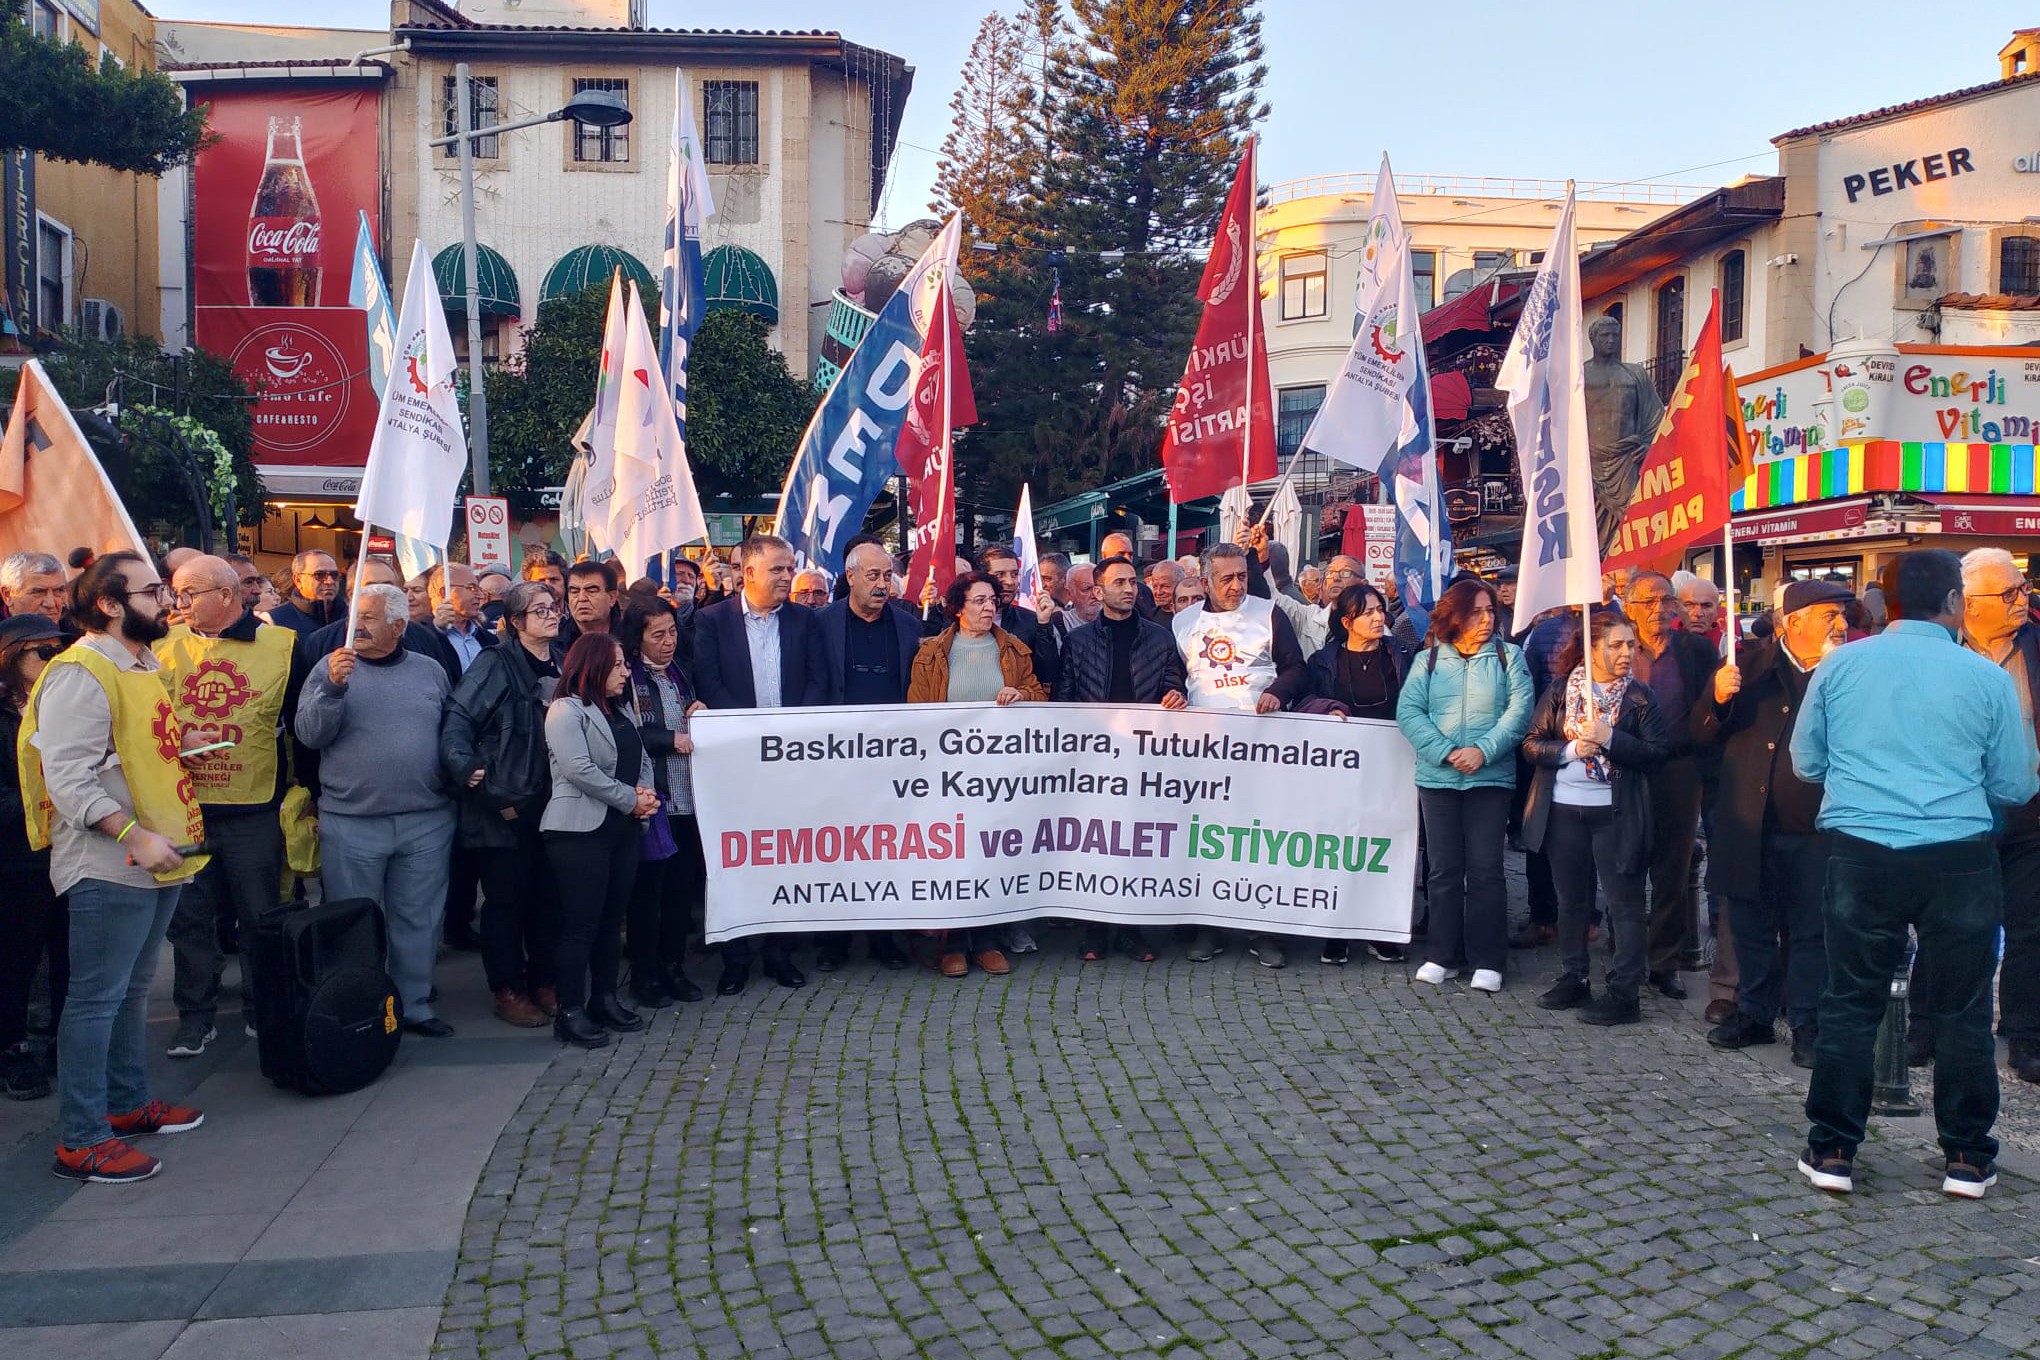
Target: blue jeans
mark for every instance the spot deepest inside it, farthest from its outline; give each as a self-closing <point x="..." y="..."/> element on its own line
<point x="1951" y="895"/>
<point x="116" y="934"/>
<point x="401" y="864"/>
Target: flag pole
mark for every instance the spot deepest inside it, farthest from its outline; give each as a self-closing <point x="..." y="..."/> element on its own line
<point x="1253" y="310"/>
<point x="944" y="310"/>
<point x="1281" y="482"/>
<point x="354" y="595"/>
<point x="1728" y="587"/>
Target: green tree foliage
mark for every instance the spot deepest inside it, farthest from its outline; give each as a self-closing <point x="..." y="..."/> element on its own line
<point x="142" y="466"/>
<point x="745" y="409"/>
<point x="1144" y="108"/>
<point x="60" y="101"/>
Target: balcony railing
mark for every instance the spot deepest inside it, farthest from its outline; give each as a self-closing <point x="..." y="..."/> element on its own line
<point x="1491" y="186"/>
<point x="1664" y="374"/>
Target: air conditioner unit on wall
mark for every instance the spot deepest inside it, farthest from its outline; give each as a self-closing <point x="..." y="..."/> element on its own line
<point x="103" y="320"/>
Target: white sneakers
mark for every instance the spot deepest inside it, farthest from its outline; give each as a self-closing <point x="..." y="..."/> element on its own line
<point x="1484" y="979"/>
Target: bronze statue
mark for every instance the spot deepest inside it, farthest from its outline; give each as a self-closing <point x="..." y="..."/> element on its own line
<point x="1623" y="412"/>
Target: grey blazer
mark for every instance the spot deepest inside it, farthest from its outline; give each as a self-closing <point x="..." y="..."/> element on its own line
<point x="582" y="753"/>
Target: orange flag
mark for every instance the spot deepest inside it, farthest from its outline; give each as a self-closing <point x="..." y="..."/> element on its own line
<point x="54" y="496"/>
<point x="1682" y="492"/>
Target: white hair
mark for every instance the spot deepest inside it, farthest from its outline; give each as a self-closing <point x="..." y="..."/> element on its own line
<point x="1702" y="588"/>
<point x="1977" y="563"/>
<point x="18" y="567"/>
<point x="388" y="599"/>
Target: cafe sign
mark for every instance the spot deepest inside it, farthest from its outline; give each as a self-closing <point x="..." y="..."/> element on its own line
<point x="1903" y="392"/>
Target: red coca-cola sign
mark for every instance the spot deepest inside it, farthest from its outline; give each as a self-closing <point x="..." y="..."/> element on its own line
<point x="276" y="195"/>
<point x="313" y="406"/>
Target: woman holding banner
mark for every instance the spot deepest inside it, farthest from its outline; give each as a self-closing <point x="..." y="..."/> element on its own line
<point x="1465" y="706"/>
<point x="974" y="661"/>
<point x="1597" y="736"/>
<point x="667" y="902"/>
<point x="1360" y="669"/>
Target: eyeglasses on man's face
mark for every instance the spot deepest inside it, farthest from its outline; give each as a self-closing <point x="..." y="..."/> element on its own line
<point x="155" y="590"/>
<point x="184" y="599"/>
<point x="2010" y="595"/>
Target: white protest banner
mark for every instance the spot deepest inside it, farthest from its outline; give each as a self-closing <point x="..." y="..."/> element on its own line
<point x="879" y="818"/>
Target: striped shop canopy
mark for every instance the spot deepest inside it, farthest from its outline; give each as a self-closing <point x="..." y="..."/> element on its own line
<point x="1888" y="465"/>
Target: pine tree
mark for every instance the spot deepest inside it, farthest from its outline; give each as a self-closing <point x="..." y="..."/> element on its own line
<point x="984" y="166"/>
<point x="1141" y="116"/>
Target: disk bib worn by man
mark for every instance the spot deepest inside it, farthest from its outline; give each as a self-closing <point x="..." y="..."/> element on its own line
<point x="230" y="676"/>
<point x="1239" y="652"/>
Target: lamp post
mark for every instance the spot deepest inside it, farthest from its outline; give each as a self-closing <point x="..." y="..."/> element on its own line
<point x="595" y="108"/>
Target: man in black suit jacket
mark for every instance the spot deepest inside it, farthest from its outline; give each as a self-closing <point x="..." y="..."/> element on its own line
<point x="755" y="650"/>
<point x="1002" y="564"/>
<point x="868" y="647"/>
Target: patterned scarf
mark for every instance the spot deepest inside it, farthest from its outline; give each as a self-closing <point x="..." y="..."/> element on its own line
<point x="1584" y="699"/>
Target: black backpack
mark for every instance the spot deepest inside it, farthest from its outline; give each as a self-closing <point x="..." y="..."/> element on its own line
<point x="327" y="1018"/>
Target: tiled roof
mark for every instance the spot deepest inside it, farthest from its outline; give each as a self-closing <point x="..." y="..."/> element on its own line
<point x="1900" y="110"/>
<point x="468" y="24"/>
<point x="1992" y="302"/>
<point x="309" y="63"/>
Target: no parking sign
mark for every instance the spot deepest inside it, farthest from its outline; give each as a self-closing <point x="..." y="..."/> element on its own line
<point x="488" y="530"/>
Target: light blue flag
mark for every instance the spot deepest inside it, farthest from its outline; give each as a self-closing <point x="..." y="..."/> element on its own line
<point x="683" y="290"/>
<point x="369" y="292"/>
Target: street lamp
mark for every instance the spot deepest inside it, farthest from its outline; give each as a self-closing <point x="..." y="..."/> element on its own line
<point x="594" y="108"/>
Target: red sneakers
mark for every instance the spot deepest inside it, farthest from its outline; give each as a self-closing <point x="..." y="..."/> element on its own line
<point x="109" y="1163"/>
<point x="156" y="1117"/>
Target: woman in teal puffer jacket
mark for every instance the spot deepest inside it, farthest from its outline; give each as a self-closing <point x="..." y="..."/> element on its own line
<point x="1465" y="707"/>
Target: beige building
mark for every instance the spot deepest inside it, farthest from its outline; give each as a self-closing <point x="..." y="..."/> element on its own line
<point x="1462" y="232"/>
<point x="93" y="239"/>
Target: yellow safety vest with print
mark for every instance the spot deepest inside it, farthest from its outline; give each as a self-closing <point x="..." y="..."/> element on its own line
<point x="227" y="690"/>
<point x="145" y="742"/>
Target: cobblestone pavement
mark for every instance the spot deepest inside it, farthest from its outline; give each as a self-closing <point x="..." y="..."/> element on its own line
<point x="1092" y="1160"/>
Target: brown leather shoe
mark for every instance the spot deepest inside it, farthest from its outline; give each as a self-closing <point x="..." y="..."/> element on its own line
<point x="1720" y="1012"/>
<point x="546" y="999"/>
<point x="991" y="961"/>
<point x="954" y="965"/>
<point x="515" y="1008"/>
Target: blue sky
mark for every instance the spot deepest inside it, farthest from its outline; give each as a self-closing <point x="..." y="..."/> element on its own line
<point x="1535" y="91"/>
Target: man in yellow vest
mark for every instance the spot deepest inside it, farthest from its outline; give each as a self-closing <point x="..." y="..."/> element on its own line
<point x="232" y="677"/>
<point x="105" y="788"/>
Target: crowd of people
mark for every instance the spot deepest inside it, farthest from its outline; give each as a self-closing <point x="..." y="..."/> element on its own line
<point x="523" y="744"/>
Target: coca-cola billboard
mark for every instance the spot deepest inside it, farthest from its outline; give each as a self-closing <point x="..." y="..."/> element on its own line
<point x="276" y="196"/>
<point x="275" y="200"/>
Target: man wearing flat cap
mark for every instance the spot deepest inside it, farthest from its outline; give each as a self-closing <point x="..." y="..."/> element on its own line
<point x="1766" y="859"/>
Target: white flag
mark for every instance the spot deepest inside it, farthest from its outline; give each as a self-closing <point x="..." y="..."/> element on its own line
<point x="655" y="506"/>
<point x="1561" y="559"/>
<point x="1024" y="546"/>
<point x="598" y="430"/>
<point x="1233" y="509"/>
<point x="418" y="454"/>
<point x="1367" y="414"/>
<point x="1384" y="231"/>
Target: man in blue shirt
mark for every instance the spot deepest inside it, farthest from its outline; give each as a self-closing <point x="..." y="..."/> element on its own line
<point x="1917" y="742"/>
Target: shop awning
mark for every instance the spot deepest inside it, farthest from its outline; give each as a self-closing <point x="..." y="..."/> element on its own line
<point x="1889" y="465"/>
<point x="1987" y="516"/>
<point x="1831" y="519"/>
<point x="1470" y="311"/>
<point x="587" y="267"/>
<point x="1451" y="396"/>
<point x="739" y="280"/>
<point x="495" y="281"/>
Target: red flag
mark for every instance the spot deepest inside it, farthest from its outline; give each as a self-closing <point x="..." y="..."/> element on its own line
<point x="926" y="446"/>
<point x="1682" y="491"/>
<point x="1214" y="426"/>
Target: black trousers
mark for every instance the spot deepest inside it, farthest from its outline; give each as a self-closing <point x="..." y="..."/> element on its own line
<point x="1469" y="903"/>
<point x="2019" y="977"/>
<point x="1675" y="809"/>
<point x="1786" y="912"/>
<point x="464" y="875"/>
<point x="33" y="924"/>
<point x="244" y="880"/>
<point x="1950" y="894"/>
<point x="666" y="903"/>
<point x="1579" y="843"/>
<point x="520" y="911"/>
<point x="596" y="871"/>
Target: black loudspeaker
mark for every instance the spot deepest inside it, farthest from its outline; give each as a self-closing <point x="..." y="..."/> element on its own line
<point x="327" y="1020"/>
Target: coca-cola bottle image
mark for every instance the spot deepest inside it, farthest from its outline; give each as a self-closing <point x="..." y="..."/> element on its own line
<point x="283" y="226"/>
